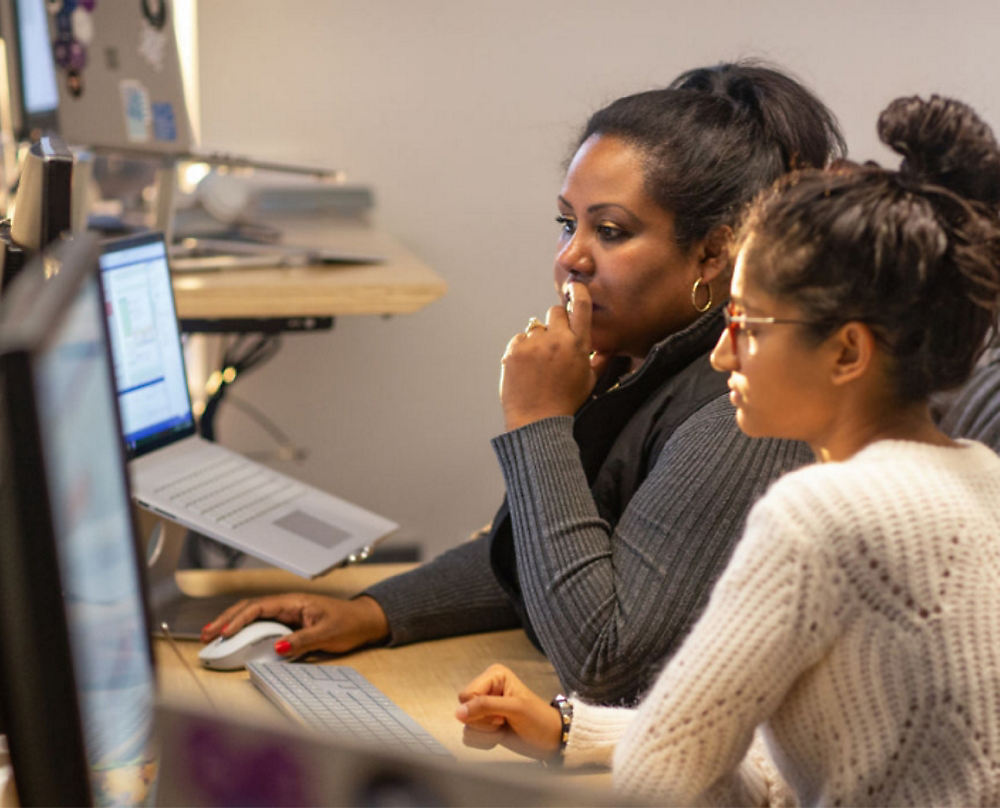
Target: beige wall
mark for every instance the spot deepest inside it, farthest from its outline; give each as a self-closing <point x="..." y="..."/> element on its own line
<point x="459" y="114"/>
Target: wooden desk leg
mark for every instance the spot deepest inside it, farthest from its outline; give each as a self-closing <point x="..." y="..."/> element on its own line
<point x="183" y="614"/>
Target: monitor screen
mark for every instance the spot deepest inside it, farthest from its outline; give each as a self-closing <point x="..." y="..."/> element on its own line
<point x="72" y="611"/>
<point x="31" y="73"/>
<point x="153" y="396"/>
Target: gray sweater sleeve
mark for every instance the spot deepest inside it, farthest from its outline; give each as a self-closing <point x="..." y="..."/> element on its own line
<point x="610" y="605"/>
<point x="456" y="593"/>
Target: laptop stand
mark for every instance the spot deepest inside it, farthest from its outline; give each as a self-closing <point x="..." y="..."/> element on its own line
<point x="184" y="614"/>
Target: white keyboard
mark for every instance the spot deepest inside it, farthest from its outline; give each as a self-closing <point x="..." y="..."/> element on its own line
<point x="231" y="491"/>
<point x="339" y="700"/>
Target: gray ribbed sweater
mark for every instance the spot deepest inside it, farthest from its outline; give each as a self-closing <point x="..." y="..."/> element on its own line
<point x="620" y="520"/>
<point x="973" y="411"/>
<point x="609" y="605"/>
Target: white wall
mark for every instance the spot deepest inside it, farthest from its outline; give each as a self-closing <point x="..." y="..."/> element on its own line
<point x="459" y="114"/>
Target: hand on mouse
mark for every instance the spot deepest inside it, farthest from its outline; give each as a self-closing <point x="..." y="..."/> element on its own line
<point x="326" y="623"/>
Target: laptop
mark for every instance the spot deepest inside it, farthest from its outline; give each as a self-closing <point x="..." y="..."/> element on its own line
<point x="192" y="481"/>
<point x="120" y="85"/>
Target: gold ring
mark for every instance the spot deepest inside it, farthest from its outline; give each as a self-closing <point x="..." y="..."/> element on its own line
<point x="533" y="323"/>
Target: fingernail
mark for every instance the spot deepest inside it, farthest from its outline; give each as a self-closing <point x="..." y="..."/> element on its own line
<point x="282" y="647"/>
<point x="206" y="627"/>
<point x="224" y="629"/>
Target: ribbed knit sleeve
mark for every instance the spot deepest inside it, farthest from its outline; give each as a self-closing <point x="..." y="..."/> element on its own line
<point x="610" y="605"/>
<point x="456" y="593"/>
<point x="973" y="411"/>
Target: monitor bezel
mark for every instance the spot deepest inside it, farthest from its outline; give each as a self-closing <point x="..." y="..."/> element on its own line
<point x="27" y="125"/>
<point x="37" y="679"/>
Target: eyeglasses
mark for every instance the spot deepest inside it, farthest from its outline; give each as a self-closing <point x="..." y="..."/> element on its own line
<point x="736" y="322"/>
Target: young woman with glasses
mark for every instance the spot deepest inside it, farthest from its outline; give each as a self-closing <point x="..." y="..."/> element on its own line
<point x="856" y="629"/>
<point x="627" y="481"/>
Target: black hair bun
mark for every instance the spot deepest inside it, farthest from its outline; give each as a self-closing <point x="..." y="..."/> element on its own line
<point x="944" y="142"/>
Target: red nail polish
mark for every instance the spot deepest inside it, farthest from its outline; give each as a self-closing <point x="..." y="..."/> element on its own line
<point x="223" y="629"/>
<point x="205" y="627"/>
<point x="282" y="647"/>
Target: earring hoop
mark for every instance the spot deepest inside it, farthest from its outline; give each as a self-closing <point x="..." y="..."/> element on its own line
<point x="694" y="297"/>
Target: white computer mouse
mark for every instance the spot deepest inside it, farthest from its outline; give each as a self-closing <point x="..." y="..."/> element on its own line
<point x="253" y="642"/>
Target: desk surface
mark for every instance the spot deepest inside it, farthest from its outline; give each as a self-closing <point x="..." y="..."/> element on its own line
<point x="423" y="679"/>
<point x="399" y="285"/>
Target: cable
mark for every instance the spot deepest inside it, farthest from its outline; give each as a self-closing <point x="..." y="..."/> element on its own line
<point x="287" y="450"/>
<point x="239" y="358"/>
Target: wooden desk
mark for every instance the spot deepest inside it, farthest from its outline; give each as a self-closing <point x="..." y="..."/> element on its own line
<point x="423" y="679"/>
<point x="399" y="285"/>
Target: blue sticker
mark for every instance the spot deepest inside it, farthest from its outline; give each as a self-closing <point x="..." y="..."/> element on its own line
<point x="164" y="125"/>
<point x="135" y="105"/>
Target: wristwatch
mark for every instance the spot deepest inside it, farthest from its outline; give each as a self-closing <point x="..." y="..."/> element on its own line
<point x="565" y="708"/>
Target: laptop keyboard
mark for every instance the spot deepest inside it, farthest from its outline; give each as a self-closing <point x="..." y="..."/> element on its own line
<point x="338" y="700"/>
<point x="231" y="491"/>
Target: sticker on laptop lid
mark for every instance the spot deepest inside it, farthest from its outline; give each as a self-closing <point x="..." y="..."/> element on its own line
<point x="164" y="122"/>
<point x="137" y="110"/>
<point x="152" y="45"/>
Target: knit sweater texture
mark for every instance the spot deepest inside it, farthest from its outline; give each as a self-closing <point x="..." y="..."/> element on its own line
<point x="856" y="630"/>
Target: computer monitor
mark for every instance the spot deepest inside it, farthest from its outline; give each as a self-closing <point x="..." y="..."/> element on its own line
<point x="76" y="668"/>
<point x="31" y="74"/>
<point x="43" y="206"/>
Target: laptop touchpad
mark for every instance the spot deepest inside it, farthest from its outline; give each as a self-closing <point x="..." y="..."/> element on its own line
<point x="312" y="529"/>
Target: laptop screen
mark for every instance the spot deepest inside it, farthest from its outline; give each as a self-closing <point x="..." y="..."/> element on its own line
<point x="145" y="342"/>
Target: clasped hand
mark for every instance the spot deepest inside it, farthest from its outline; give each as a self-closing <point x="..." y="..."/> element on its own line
<point x="550" y="371"/>
<point x="498" y="708"/>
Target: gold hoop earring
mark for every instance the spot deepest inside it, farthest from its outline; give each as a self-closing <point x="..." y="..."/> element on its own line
<point x="694" y="297"/>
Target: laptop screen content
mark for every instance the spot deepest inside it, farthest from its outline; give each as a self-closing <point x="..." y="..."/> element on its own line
<point x="149" y="366"/>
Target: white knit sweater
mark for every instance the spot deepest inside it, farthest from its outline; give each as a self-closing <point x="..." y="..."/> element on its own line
<point x="858" y="626"/>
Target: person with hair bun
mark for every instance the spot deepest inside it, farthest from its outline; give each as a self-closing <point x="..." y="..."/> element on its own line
<point x="627" y="481"/>
<point x="849" y="653"/>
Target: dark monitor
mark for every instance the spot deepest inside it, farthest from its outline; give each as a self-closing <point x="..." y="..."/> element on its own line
<point x="31" y="72"/>
<point x="43" y="205"/>
<point x="76" y="669"/>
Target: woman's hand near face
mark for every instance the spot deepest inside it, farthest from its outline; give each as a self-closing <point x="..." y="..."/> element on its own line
<point x="550" y="371"/>
<point x="497" y="708"/>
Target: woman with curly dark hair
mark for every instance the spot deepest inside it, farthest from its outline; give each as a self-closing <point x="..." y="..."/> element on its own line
<point x="627" y="481"/>
<point x="858" y="622"/>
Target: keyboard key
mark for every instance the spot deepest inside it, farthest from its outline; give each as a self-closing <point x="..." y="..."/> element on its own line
<point x="339" y="700"/>
<point x="231" y="491"/>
